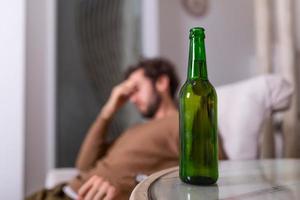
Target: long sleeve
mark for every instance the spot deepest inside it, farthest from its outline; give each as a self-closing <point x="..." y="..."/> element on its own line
<point x="94" y="145"/>
<point x="222" y="153"/>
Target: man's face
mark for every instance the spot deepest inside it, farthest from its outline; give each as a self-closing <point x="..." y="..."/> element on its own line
<point x="145" y="97"/>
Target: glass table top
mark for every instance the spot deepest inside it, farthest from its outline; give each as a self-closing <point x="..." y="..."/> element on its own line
<point x="256" y="179"/>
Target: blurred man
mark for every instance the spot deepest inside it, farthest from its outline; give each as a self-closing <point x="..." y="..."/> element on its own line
<point x="110" y="171"/>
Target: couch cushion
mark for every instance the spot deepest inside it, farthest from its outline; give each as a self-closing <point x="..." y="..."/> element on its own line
<point x="242" y="109"/>
<point x="56" y="176"/>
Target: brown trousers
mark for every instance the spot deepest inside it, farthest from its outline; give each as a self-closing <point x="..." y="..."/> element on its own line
<point x="55" y="193"/>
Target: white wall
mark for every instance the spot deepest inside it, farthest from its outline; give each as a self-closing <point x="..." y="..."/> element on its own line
<point x="297" y="33"/>
<point x="12" y="73"/>
<point x="150" y="28"/>
<point x="297" y="24"/>
<point x="229" y="38"/>
<point x="40" y="92"/>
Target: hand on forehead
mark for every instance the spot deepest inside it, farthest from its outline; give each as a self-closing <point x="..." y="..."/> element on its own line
<point x="135" y="78"/>
<point x="131" y="83"/>
<point x="129" y="86"/>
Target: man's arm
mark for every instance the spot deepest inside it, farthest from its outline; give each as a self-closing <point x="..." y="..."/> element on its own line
<point x="94" y="145"/>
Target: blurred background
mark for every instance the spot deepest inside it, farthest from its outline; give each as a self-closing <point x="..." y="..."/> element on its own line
<point x="60" y="59"/>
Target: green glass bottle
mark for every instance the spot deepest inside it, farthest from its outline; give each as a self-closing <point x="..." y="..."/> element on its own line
<point x="198" y="118"/>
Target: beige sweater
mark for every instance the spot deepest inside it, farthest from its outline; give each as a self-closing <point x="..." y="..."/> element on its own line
<point x="142" y="149"/>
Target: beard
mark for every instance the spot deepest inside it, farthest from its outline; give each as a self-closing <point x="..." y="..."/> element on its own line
<point x="153" y="106"/>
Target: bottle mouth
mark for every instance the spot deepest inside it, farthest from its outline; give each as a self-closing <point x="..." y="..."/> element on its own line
<point x="197" y="32"/>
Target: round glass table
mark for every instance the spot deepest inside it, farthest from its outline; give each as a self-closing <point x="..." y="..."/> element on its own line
<point x="256" y="179"/>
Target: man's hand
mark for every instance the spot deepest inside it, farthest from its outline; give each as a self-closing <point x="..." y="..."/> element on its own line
<point x="96" y="188"/>
<point x="119" y="95"/>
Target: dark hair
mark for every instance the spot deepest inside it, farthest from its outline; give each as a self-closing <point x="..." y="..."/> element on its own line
<point x="154" y="68"/>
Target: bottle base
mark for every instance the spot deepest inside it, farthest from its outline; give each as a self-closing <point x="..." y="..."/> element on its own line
<point x="198" y="180"/>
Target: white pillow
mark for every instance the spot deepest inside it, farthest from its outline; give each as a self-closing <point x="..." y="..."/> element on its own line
<point x="242" y="109"/>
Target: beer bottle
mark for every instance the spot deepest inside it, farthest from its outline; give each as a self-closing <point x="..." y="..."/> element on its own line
<point x="198" y="118"/>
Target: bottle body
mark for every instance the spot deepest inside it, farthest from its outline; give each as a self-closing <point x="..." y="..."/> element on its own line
<point x="198" y="126"/>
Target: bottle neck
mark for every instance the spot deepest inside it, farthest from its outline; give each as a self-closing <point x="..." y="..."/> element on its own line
<point x="197" y="59"/>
